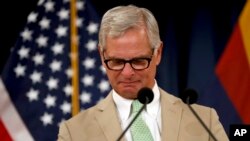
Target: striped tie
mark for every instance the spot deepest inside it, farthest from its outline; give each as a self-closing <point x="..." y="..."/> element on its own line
<point x="139" y="129"/>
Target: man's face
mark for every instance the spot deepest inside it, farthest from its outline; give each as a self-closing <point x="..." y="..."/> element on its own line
<point x="133" y="44"/>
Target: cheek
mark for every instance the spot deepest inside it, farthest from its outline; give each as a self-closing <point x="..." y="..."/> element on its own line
<point x="151" y="72"/>
<point x="152" y="68"/>
<point x="112" y="76"/>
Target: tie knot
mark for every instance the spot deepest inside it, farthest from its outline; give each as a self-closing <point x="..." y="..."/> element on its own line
<point x="136" y="105"/>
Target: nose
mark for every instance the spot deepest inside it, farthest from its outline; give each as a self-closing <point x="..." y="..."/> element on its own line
<point x="128" y="70"/>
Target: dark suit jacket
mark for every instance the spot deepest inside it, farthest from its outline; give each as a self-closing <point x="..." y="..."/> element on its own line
<point x="101" y="122"/>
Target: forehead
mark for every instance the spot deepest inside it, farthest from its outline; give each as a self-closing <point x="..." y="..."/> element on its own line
<point x="133" y="41"/>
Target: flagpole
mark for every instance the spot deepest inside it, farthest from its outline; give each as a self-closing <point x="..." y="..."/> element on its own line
<point x="74" y="58"/>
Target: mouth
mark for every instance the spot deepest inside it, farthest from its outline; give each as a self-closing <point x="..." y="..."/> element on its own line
<point x="130" y="85"/>
<point x="129" y="82"/>
<point x="129" y="89"/>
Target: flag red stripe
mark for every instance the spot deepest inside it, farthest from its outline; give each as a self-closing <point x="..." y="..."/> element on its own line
<point x="10" y="119"/>
<point x="4" y="135"/>
<point x="234" y="74"/>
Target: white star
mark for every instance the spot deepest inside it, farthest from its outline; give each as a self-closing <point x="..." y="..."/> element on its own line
<point x="65" y="107"/>
<point x="103" y="86"/>
<point x="47" y="119"/>
<point x="63" y="14"/>
<point x="68" y="90"/>
<point x="57" y="48"/>
<point x="85" y="97"/>
<point x="36" y="77"/>
<point x="92" y="28"/>
<point x="26" y="34"/>
<point x="55" y="65"/>
<point x="42" y="41"/>
<point x="103" y="70"/>
<point x="79" y="22"/>
<point x="89" y="63"/>
<point x="52" y="83"/>
<point x="32" y="94"/>
<point x="88" y="80"/>
<point x="91" y="45"/>
<point x="38" y="59"/>
<point x="80" y="5"/>
<point x="49" y="6"/>
<point x="20" y="70"/>
<point x="69" y="72"/>
<point x="40" y="2"/>
<point x="44" y="23"/>
<point x="32" y="17"/>
<point x="23" y="52"/>
<point x="50" y="101"/>
<point x="61" y="31"/>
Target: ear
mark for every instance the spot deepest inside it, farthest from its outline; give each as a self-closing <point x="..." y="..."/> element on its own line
<point x="158" y="54"/>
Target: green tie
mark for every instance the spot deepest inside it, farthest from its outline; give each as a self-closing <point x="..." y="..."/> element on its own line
<point x="139" y="129"/>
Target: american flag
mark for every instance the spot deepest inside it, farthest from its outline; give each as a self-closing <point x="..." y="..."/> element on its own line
<point x="38" y="74"/>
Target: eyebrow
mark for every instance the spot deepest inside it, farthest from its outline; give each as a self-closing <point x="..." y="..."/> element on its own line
<point x="136" y="57"/>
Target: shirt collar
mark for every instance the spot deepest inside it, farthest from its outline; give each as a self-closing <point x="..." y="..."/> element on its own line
<point x="123" y="104"/>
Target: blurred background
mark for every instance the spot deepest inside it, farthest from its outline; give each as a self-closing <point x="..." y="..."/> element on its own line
<point x="205" y="49"/>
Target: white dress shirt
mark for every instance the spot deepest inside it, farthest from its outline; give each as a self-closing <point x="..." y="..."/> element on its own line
<point x="152" y="114"/>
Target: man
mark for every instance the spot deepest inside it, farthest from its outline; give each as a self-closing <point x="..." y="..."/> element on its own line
<point x="130" y="49"/>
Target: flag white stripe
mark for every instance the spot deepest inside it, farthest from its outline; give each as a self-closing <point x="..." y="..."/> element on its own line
<point x="11" y="119"/>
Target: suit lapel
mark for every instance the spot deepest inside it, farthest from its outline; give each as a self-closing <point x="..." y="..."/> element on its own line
<point x="108" y="119"/>
<point x="171" y="117"/>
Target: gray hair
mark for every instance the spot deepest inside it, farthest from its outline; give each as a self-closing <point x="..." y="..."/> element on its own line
<point x="121" y="18"/>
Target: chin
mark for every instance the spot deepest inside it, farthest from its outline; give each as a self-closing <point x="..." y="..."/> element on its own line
<point x="129" y="96"/>
<point x="129" y="93"/>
